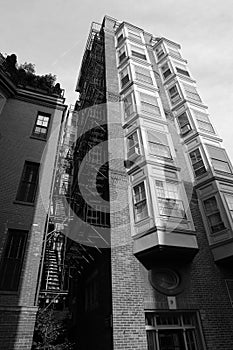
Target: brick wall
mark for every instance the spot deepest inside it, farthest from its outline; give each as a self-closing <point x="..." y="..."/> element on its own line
<point x="16" y="123"/>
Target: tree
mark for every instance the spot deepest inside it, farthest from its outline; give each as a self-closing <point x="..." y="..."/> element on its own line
<point x="51" y="333"/>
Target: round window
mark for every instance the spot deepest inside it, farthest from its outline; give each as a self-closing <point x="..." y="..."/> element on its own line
<point x="165" y="280"/>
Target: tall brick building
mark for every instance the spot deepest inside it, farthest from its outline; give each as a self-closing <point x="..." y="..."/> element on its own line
<point x="152" y="193"/>
<point x="30" y="120"/>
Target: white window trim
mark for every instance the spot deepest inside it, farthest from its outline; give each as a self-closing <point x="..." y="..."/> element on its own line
<point x="147" y="200"/>
<point x="140" y="47"/>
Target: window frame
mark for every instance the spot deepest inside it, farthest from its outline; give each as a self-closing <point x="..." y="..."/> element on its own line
<point x="41" y="136"/>
<point x="141" y="201"/>
<point x="228" y="205"/>
<point x="123" y="82"/>
<point x="190" y="91"/>
<point x="137" y="54"/>
<point x="135" y="149"/>
<point x="119" y="54"/>
<point x="202" y="114"/>
<point x="186" y="124"/>
<point x="165" y="146"/>
<point x="135" y="35"/>
<point x="201" y="160"/>
<point x="168" y="202"/>
<point x="139" y="76"/>
<point x="6" y="259"/>
<point x="154" y="327"/>
<point x="174" y="97"/>
<point x="222" y="159"/>
<point x="31" y="185"/>
<point x="151" y="108"/>
<point x="130" y="106"/>
<point x="210" y="214"/>
<point x="163" y="71"/>
<point x="160" y="52"/>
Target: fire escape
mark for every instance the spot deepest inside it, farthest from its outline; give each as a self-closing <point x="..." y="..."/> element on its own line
<point x="66" y="256"/>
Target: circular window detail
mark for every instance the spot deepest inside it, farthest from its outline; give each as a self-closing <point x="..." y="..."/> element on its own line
<point x="165" y="280"/>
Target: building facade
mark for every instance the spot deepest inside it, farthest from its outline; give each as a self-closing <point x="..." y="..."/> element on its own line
<point x="152" y="193"/>
<point x="30" y="121"/>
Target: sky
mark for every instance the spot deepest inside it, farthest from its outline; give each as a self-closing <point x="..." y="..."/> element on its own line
<point x="52" y="35"/>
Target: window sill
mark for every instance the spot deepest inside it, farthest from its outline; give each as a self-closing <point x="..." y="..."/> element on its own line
<point x="24" y="203"/>
<point x="38" y="138"/>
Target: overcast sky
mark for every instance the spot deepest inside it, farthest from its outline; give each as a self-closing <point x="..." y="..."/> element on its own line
<point x="52" y="35"/>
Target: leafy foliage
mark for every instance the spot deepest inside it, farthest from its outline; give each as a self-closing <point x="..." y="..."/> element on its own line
<point x="24" y="75"/>
<point x="51" y="333"/>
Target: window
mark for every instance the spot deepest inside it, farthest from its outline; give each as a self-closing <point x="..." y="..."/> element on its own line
<point x="129" y="105"/>
<point x="41" y="126"/>
<point x="229" y="200"/>
<point x="159" y="52"/>
<point x="97" y="215"/>
<point x="166" y="71"/>
<point x="213" y="215"/>
<point x="174" y="95"/>
<point x="173" y="331"/>
<point x="184" y="124"/>
<point x="140" y="203"/>
<point x="134" y="35"/>
<point x="191" y="92"/>
<point x="120" y="37"/>
<point x="158" y="144"/>
<point x="169" y="201"/>
<point x="12" y="260"/>
<point x="203" y="122"/>
<point x="219" y="159"/>
<point x="174" y="52"/>
<point x="28" y="183"/>
<point x="143" y="75"/>
<point x="181" y="69"/>
<point x="138" y="52"/>
<point x="124" y="76"/>
<point x="133" y="144"/>
<point x="122" y="54"/>
<point x="149" y="104"/>
<point x="197" y="162"/>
